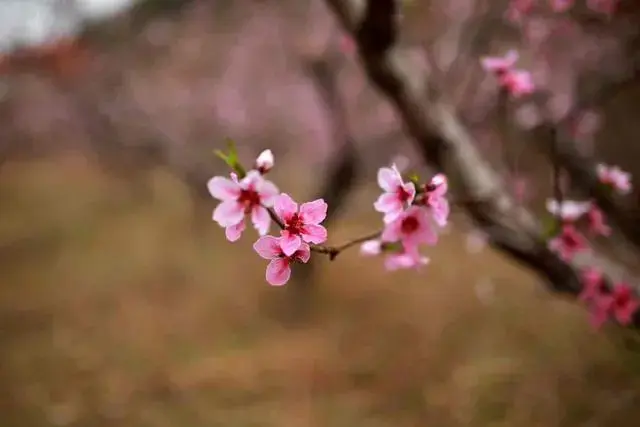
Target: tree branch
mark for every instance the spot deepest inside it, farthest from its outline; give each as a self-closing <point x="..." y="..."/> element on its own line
<point x="443" y="141"/>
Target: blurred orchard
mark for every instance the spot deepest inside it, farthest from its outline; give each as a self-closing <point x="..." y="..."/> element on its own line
<point x="124" y="304"/>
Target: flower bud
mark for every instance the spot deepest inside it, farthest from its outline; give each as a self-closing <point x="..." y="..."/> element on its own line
<point x="264" y="162"/>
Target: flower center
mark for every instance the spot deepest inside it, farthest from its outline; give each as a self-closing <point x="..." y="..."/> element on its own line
<point x="403" y="194"/>
<point x="295" y="224"/>
<point x="249" y="198"/>
<point x="570" y="240"/>
<point x="622" y="298"/>
<point x="409" y="225"/>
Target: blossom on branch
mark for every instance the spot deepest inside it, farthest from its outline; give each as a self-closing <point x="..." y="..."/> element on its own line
<point x="248" y="196"/>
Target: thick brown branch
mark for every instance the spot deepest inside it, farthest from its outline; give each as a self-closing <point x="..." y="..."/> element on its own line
<point x="443" y="141"/>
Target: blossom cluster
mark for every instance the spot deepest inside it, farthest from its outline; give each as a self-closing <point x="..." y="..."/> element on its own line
<point x="414" y="213"/>
<point x="254" y="196"/>
<point x="618" y="301"/>
<point x="412" y="216"/>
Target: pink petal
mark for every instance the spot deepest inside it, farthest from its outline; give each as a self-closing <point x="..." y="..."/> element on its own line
<point x="278" y="272"/>
<point x="234" y="232"/>
<point x="228" y="213"/>
<point x="261" y="219"/>
<point x="268" y="247"/>
<point x="398" y="261"/>
<point x="290" y="243"/>
<point x="391" y="232"/>
<point x="410" y="189"/>
<point x="440" y="212"/>
<point x="223" y="188"/>
<point x="624" y="315"/>
<point x="303" y="254"/>
<point x="371" y="247"/>
<point x="268" y="192"/>
<point x="388" y="203"/>
<point x="312" y="233"/>
<point x="251" y="180"/>
<point x="389" y="179"/>
<point x="285" y="207"/>
<point x="313" y="212"/>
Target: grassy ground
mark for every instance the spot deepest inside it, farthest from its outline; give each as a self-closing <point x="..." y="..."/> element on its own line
<point x="123" y="310"/>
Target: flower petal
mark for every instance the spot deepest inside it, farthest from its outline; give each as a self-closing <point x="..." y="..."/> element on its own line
<point x="278" y="271"/>
<point x="371" y="247"/>
<point x="313" y="212"/>
<point x="312" y="233"/>
<point x="234" y="232"/>
<point x="285" y="207"/>
<point x="290" y="243"/>
<point x="389" y="179"/>
<point x="268" y="247"/>
<point x="391" y="232"/>
<point x="388" y="203"/>
<point x="228" y="213"/>
<point x="223" y="188"/>
<point x="268" y="192"/>
<point x="261" y="219"/>
<point x="303" y="253"/>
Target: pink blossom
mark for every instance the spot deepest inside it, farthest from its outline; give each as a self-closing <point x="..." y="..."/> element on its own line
<point x="518" y="82"/>
<point x="568" y="243"/>
<point x="300" y="224"/>
<point x="411" y="227"/>
<point x="624" y="303"/>
<point x="249" y="196"/>
<point x="397" y="194"/>
<point x="264" y="162"/>
<point x="347" y="45"/>
<point x="615" y="177"/>
<point x="592" y="285"/>
<point x="435" y="191"/>
<point x="405" y="259"/>
<point x="518" y="9"/>
<point x="500" y="64"/>
<point x="597" y="223"/>
<point x="600" y="310"/>
<point x="568" y="210"/>
<point x="561" y="5"/>
<point x="621" y="304"/>
<point x="279" y="268"/>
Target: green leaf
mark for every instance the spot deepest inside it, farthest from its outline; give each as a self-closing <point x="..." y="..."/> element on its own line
<point x="231" y="158"/>
<point x="395" y="247"/>
<point x="221" y="155"/>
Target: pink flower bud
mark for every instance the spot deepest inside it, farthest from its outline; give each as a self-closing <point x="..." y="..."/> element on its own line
<point x="265" y="162"/>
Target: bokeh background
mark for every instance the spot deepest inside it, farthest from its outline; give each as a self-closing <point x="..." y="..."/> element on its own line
<point x="121" y="304"/>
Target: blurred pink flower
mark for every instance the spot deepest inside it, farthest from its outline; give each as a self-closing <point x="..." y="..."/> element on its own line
<point x="279" y="268"/>
<point x="561" y="5"/>
<point x="397" y="194"/>
<point x="411" y="228"/>
<point x="568" y="243"/>
<point x="435" y="192"/>
<point x="615" y="177"/>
